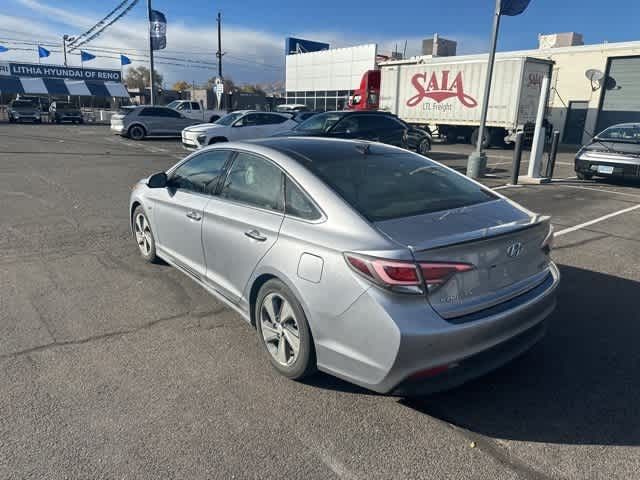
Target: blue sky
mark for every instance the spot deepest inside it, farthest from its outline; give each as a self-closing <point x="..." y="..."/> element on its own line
<point x="254" y="30"/>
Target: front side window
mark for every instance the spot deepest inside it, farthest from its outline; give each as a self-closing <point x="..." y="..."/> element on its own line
<point x="249" y="120"/>
<point x="254" y="181"/>
<point x="229" y="119"/>
<point x="195" y="106"/>
<point x="297" y="203"/>
<point x="200" y="174"/>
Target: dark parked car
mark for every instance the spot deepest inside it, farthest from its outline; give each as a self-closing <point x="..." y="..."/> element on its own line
<point x="613" y="153"/>
<point x="302" y="116"/>
<point x="64" y="112"/>
<point x="380" y="127"/>
<point x="21" y="110"/>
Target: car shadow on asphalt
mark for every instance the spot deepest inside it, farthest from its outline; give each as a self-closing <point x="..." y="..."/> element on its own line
<point x="579" y="385"/>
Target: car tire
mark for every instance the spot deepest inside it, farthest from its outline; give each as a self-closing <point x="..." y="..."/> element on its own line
<point x="12" y="120"/>
<point x="136" y="132"/>
<point x="58" y="121"/>
<point x="424" y="147"/>
<point x="584" y="176"/>
<point x="279" y="336"/>
<point x="143" y="235"/>
<point x="81" y="121"/>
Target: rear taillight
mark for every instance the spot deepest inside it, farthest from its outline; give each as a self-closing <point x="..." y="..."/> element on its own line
<point x="437" y="274"/>
<point x="405" y="277"/>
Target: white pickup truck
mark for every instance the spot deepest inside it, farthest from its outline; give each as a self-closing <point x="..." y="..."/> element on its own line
<point x="195" y="110"/>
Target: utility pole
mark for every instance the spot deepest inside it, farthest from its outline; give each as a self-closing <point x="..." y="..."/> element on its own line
<point x="219" y="52"/>
<point x="152" y="92"/>
<point x="64" y="48"/>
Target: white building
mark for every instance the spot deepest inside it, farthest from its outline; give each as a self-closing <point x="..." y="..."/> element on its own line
<point x="577" y="106"/>
<point x="324" y="80"/>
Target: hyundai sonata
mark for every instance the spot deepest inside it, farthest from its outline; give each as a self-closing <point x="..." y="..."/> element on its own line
<point x="362" y="260"/>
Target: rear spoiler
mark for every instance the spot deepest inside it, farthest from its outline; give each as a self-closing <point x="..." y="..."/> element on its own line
<point x="481" y="234"/>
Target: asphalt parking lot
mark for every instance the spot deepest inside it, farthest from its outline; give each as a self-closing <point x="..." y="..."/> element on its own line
<point x="114" y="368"/>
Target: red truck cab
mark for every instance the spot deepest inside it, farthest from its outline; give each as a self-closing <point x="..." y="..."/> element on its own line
<point x="367" y="97"/>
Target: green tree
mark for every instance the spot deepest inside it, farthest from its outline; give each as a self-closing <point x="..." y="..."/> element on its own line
<point x="248" y="88"/>
<point x="139" y="78"/>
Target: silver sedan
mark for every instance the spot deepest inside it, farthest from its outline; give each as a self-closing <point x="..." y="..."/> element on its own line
<point x="362" y="260"/>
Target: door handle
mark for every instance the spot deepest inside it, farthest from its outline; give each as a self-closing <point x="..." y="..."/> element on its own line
<point x="194" y="215"/>
<point x="256" y="235"/>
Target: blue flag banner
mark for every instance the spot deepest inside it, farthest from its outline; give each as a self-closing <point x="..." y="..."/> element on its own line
<point x="158" y="30"/>
<point x="86" y="56"/>
<point x="513" y="7"/>
<point x="124" y="60"/>
<point x="43" y="52"/>
<point x="3" y="49"/>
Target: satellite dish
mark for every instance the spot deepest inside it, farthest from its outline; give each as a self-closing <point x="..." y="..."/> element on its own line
<point x="594" y="75"/>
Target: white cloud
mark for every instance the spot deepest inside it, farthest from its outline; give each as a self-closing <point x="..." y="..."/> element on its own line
<point x="251" y="55"/>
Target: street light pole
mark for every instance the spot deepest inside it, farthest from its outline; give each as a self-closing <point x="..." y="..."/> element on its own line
<point x="477" y="162"/>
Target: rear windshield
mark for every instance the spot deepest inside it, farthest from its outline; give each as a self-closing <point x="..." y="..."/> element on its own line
<point x="384" y="185"/>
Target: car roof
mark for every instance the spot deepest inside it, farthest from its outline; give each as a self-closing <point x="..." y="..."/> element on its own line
<point x="321" y="149"/>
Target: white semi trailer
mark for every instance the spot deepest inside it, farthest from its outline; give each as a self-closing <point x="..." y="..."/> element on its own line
<point x="445" y="95"/>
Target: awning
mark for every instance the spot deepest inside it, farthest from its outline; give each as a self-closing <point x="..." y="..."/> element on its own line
<point x="59" y="86"/>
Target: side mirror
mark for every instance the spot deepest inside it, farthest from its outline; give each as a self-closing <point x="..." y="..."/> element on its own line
<point x="157" y="180"/>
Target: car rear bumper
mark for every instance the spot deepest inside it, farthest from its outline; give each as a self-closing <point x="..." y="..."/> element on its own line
<point x="618" y="167"/>
<point x="431" y="354"/>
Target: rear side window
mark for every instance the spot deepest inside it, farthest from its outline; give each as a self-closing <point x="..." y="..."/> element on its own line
<point x="254" y="181"/>
<point x="195" y="106"/>
<point x="384" y="185"/>
<point x="297" y="204"/>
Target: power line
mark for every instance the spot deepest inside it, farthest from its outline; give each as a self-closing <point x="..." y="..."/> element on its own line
<point x="99" y="24"/>
<point x="99" y="32"/>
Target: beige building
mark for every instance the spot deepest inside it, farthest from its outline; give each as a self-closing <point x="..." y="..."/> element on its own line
<point x="577" y="103"/>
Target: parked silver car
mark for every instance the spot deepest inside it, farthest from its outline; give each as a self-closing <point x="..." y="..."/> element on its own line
<point x="359" y="259"/>
<point x="141" y="122"/>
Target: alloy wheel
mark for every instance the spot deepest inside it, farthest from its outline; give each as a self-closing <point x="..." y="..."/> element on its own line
<point x="143" y="234"/>
<point x="280" y="329"/>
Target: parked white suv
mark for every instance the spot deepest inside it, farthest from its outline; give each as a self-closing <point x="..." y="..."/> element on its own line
<point x="196" y="110"/>
<point x="239" y="125"/>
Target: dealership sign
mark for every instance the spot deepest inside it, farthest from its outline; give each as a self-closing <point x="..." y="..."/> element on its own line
<point x="437" y="87"/>
<point x="56" y="71"/>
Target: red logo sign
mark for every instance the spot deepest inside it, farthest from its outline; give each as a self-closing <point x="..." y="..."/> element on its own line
<point x="439" y="89"/>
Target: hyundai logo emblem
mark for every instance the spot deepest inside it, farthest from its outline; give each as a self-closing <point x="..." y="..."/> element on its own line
<point x="514" y="250"/>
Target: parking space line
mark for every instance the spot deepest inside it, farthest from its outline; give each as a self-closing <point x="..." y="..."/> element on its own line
<point x="603" y="190"/>
<point x="596" y="220"/>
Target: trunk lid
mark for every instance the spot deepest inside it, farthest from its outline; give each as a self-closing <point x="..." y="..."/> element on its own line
<point x="503" y="243"/>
